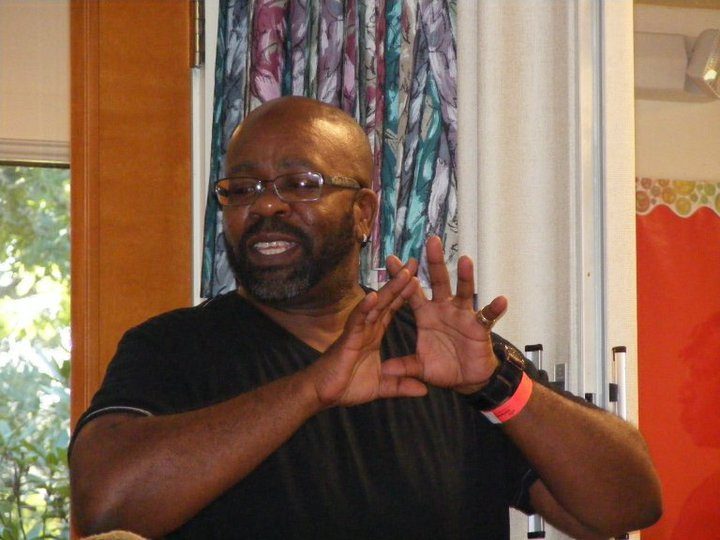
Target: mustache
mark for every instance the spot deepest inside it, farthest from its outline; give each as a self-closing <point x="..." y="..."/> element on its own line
<point x="277" y="225"/>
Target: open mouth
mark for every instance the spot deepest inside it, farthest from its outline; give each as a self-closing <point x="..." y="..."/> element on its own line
<point x="271" y="244"/>
<point x="276" y="247"/>
<point x="274" y="252"/>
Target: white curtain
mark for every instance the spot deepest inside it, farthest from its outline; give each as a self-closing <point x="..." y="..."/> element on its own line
<point x="546" y="178"/>
<point x="518" y="161"/>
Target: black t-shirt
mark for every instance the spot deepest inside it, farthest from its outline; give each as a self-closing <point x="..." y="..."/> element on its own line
<point x="428" y="467"/>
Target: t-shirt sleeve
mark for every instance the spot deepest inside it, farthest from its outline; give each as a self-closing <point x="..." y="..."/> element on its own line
<point x="140" y="379"/>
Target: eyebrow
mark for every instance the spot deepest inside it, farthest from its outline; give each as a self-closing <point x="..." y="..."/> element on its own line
<point x="248" y="166"/>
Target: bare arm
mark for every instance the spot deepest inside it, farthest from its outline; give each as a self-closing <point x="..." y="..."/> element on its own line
<point x="152" y="474"/>
<point x="594" y="467"/>
<point x="595" y="470"/>
<point x="124" y="467"/>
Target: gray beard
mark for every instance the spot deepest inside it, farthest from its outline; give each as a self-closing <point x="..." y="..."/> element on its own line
<point x="279" y="285"/>
<point x="275" y="287"/>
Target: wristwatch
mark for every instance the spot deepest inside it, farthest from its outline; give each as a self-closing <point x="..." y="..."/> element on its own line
<point x="504" y="380"/>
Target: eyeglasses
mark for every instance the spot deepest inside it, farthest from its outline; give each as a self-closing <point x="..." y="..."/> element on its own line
<point x="293" y="187"/>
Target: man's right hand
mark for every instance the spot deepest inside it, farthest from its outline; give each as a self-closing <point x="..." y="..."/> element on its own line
<point x="349" y="372"/>
<point x="124" y="466"/>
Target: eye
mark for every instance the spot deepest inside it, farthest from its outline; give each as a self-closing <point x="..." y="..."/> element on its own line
<point x="239" y="188"/>
<point x="300" y="182"/>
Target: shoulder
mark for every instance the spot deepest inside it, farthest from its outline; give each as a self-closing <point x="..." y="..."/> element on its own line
<point x="219" y="307"/>
<point x="206" y="318"/>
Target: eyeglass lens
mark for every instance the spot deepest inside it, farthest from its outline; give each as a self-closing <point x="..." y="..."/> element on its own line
<point x="297" y="187"/>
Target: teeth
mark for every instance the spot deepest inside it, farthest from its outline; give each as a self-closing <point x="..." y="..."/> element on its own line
<point x="273" y="248"/>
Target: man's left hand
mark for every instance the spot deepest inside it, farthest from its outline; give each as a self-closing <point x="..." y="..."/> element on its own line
<point x="454" y="349"/>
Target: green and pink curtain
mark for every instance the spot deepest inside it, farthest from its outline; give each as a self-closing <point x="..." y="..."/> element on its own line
<point x="389" y="63"/>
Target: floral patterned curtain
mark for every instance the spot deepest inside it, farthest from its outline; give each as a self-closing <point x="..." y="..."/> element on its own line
<point x="389" y="63"/>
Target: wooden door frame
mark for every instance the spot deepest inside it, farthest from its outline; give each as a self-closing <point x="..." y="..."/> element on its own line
<point x="131" y="175"/>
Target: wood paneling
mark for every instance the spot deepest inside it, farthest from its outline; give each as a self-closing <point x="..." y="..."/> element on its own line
<point x="131" y="174"/>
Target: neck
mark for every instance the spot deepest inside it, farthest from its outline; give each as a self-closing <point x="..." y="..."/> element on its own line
<point x="317" y="317"/>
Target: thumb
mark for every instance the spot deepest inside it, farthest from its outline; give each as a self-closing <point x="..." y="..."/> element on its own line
<point x="392" y="387"/>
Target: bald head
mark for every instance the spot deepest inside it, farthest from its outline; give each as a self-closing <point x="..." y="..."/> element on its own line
<point x="299" y="125"/>
<point x="304" y="252"/>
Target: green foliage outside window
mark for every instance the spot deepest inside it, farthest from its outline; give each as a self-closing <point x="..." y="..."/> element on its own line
<point x="34" y="352"/>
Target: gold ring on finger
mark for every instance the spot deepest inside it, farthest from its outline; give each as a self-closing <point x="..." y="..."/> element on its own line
<point x="482" y="319"/>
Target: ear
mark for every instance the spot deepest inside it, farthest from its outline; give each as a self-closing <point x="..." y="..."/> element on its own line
<point x="364" y="209"/>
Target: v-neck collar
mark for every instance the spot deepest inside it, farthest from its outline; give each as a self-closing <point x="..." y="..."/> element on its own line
<point x="243" y="304"/>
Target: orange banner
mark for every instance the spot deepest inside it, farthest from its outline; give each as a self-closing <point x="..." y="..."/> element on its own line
<point x="678" y="243"/>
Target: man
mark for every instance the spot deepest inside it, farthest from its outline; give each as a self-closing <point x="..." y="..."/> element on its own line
<point x="304" y="406"/>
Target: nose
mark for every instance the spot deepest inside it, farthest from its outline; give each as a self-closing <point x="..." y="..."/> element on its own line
<point x="267" y="203"/>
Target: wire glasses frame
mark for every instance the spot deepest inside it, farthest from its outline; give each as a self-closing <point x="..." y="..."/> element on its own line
<point x="293" y="187"/>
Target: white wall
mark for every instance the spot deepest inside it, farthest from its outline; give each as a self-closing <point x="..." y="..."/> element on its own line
<point x="677" y="140"/>
<point x="35" y="79"/>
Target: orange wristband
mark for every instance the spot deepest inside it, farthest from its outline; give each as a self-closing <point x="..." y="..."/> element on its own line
<point x="514" y="404"/>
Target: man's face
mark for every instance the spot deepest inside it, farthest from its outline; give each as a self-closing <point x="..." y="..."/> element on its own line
<point x="275" y="261"/>
<point x="280" y="251"/>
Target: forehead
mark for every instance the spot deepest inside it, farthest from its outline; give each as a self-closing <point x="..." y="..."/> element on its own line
<point x="288" y="143"/>
<point x="249" y="166"/>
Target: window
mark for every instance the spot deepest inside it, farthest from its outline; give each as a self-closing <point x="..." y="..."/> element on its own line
<point x="34" y="351"/>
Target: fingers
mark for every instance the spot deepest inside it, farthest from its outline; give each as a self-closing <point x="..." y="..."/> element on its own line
<point x="403" y="366"/>
<point x="417" y="297"/>
<point x="497" y="307"/>
<point x="437" y="270"/>
<point x="439" y="276"/>
<point x="490" y="314"/>
<point x="391" y="387"/>
<point x="394" y="265"/>
<point x="366" y="323"/>
<point x="401" y="376"/>
<point x="466" y="282"/>
<point x="390" y="297"/>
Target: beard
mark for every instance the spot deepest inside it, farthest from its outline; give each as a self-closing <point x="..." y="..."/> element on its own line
<point x="278" y="285"/>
